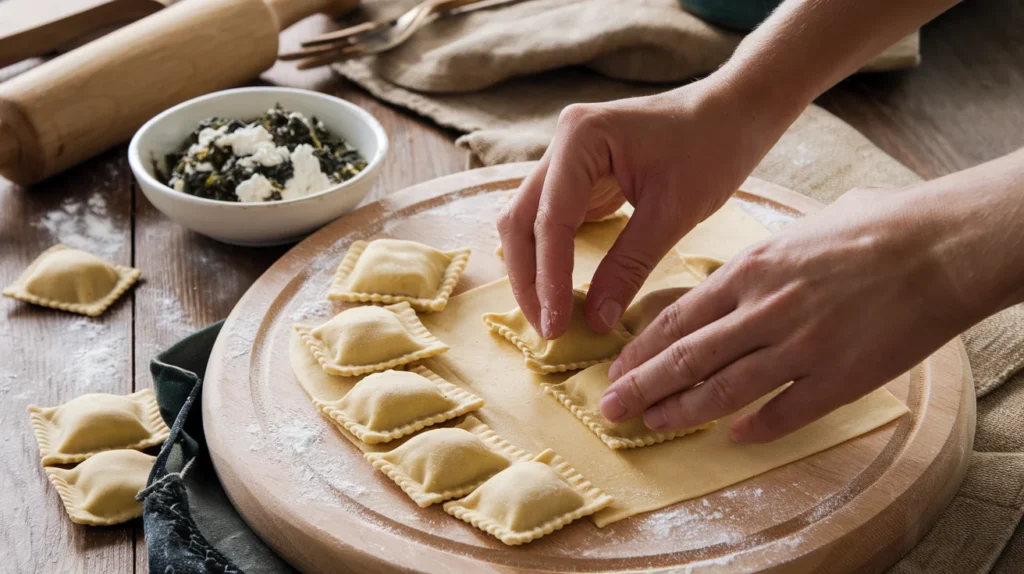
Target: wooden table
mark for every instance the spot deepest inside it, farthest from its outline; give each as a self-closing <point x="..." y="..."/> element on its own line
<point x="963" y="106"/>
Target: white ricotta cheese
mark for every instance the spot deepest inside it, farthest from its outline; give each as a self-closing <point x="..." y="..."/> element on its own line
<point x="265" y="155"/>
<point x="245" y="141"/>
<point x="307" y="178"/>
<point x="256" y="188"/>
<point x="206" y="137"/>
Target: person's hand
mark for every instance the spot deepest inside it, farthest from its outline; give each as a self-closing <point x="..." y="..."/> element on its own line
<point x="677" y="157"/>
<point x="840" y="302"/>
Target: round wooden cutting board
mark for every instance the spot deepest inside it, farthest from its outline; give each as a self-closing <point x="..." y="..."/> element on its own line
<point x="310" y="495"/>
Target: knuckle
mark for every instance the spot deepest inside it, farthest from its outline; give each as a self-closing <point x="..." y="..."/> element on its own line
<point x="505" y="220"/>
<point x="635" y="390"/>
<point x="683" y="361"/>
<point x="633" y="268"/>
<point x="582" y="117"/>
<point x="723" y="394"/>
<point x="575" y="114"/>
<point x="751" y="261"/>
<point x="673" y="322"/>
<point x="679" y="412"/>
<point x="548" y="224"/>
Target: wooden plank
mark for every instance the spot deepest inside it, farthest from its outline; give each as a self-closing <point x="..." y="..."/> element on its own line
<point x="192" y="281"/>
<point x="50" y="357"/>
<point x="961" y="107"/>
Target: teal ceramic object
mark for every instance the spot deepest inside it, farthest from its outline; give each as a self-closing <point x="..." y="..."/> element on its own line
<point x="738" y="14"/>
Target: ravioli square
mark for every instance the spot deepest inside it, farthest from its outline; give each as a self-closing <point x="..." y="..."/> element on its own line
<point x="98" y="422"/>
<point x="581" y="394"/>
<point x="72" y="280"/>
<point x="369" y="339"/>
<point x="395" y="270"/>
<point x="101" y="491"/>
<point x="530" y="499"/>
<point x="646" y="309"/>
<point x="389" y="405"/>
<point x="578" y="348"/>
<point x="445" y="463"/>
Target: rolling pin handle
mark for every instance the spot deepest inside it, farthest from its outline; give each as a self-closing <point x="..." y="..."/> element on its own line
<point x="289" y="12"/>
<point x="10" y="149"/>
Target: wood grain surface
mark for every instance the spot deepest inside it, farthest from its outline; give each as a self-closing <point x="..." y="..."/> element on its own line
<point x="961" y="107"/>
<point x="856" y="507"/>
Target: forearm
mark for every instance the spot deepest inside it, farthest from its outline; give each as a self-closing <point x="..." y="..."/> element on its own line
<point x="974" y="224"/>
<point x="807" y="46"/>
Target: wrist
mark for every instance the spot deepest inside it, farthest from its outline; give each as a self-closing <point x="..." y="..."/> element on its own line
<point x="972" y="218"/>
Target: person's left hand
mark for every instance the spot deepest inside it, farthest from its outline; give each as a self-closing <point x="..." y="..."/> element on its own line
<point x="840" y="303"/>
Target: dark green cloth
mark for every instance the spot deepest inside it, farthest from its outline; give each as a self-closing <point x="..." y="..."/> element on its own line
<point x="190" y="524"/>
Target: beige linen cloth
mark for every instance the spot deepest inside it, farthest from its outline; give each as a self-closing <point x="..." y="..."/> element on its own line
<point x="501" y="76"/>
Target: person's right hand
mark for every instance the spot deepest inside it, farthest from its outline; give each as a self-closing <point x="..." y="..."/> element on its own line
<point x="677" y="157"/>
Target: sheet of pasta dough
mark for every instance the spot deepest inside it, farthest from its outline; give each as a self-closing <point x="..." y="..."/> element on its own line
<point x="641" y="479"/>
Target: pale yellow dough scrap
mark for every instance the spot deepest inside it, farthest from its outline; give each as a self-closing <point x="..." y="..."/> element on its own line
<point x="578" y="348"/>
<point x="101" y="491"/>
<point x="395" y="270"/>
<point x="370" y="339"/>
<point x="72" y="280"/>
<point x="389" y="405"/>
<point x="444" y="463"/>
<point x="94" y="423"/>
<point x="582" y="393"/>
<point x="529" y="500"/>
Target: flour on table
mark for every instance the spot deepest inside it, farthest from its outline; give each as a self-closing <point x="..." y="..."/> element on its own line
<point x="84" y="225"/>
<point x="98" y="356"/>
<point x="170" y="316"/>
<point x="7" y="379"/>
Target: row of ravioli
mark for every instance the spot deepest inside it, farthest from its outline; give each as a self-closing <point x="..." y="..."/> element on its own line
<point x="103" y="436"/>
<point x="496" y="487"/>
<point x="482" y="478"/>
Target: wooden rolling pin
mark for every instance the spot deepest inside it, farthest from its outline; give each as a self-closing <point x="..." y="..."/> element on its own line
<point x="92" y="98"/>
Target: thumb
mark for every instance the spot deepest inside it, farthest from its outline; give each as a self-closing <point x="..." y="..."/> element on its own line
<point x="645" y="240"/>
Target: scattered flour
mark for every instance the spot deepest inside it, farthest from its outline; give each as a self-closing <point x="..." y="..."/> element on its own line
<point x="256" y="436"/>
<point x="98" y="355"/>
<point x="770" y="218"/>
<point x="311" y="301"/>
<point x="84" y="225"/>
<point x="171" y="316"/>
<point x="296" y="435"/>
<point x="701" y="525"/>
<point x="238" y="345"/>
<point x="7" y="379"/>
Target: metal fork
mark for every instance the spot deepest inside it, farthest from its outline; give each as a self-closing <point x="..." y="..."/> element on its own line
<point x="381" y="35"/>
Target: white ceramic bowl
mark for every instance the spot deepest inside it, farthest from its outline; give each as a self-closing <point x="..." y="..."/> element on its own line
<point x="264" y="223"/>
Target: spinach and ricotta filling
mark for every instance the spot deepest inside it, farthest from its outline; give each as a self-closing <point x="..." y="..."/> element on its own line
<point x="279" y="155"/>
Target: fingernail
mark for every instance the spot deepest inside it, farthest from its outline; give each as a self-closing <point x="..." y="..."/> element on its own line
<point x="655" y="418"/>
<point x="609" y="312"/>
<point x="545" y="323"/>
<point x="611" y="407"/>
